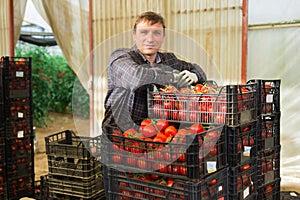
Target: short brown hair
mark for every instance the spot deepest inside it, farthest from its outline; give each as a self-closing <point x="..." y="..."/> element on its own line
<point x="150" y="16"/>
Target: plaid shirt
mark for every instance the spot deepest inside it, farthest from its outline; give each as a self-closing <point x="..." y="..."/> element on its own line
<point x="129" y="76"/>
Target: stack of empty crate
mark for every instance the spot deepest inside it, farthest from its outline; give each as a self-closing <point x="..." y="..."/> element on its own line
<point x="74" y="173"/>
<point x="268" y="138"/>
<point x="16" y="129"/>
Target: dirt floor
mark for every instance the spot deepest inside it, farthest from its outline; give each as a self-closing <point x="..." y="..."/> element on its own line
<point x="57" y="123"/>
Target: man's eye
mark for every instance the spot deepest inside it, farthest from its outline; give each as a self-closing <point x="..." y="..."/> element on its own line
<point x="144" y="32"/>
<point x="157" y="32"/>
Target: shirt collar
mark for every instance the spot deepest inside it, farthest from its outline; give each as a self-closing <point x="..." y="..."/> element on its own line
<point x="157" y="59"/>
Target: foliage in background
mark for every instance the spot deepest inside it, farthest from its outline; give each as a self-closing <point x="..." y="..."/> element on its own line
<point x="52" y="84"/>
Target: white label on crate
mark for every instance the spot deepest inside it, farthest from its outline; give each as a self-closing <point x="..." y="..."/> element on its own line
<point x="246" y="116"/>
<point x="269" y="98"/>
<point x="247" y="150"/>
<point x="20" y="134"/>
<point x="246" y="192"/>
<point x="220" y="188"/>
<point x="19" y="74"/>
<point x="211" y="166"/>
<point x="20" y="115"/>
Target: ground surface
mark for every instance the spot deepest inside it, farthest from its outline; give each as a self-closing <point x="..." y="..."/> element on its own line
<point x="57" y="123"/>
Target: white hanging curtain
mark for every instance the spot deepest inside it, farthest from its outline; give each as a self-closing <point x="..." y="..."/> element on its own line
<point x="68" y="20"/>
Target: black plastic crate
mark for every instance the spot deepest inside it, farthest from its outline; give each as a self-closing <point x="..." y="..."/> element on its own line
<point x="17" y="77"/>
<point x="289" y="195"/>
<point x="243" y="181"/>
<point x="186" y="156"/>
<point x="74" y="168"/>
<point x="232" y="105"/>
<point x="19" y="148"/>
<point x="270" y="131"/>
<point x="268" y="95"/>
<point x="20" y="186"/>
<point x="68" y="144"/>
<point x="2" y="151"/>
<point x="42" y="188"/>
<point x="270" y="191"/>
<point x="242" y="143"/>
<point x="124" y="185"/>
<point x="76" y="188"/>
<point x="18" y="108"/>
<point x="268" y="164"/>
<point x="19" y="128"/>
<point x="3" y="190"/>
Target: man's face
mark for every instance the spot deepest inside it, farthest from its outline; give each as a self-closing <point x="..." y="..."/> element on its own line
<point x="148" y="38"/>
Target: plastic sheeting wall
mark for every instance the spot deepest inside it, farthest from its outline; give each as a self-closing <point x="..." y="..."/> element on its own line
<point x="274" y="53"/>
<point x="207" y="32"/>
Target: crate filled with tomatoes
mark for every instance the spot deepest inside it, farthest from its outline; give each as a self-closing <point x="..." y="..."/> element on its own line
<point x="242" y="182"/>
<point x="270" y="191"/>
<point x="270" y="131"/>
<point x="242" y="143"/>
<point x="16" y="77"/>
<point x="188" y="151"/>
<point x="20" y="186"/>
<point x="268" y="95"/>
<point x="268" y="164"/>
<point x="208" y="104"/>
<point x="125" y="185"/>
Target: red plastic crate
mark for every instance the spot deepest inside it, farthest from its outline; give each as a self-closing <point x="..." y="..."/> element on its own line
<point x="191" y="156"/>
<point x="233" y="105"/>
<point x="124" y="185"/>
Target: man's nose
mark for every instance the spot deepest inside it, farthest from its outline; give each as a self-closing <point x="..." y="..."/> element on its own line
<point x="150" y="37"/>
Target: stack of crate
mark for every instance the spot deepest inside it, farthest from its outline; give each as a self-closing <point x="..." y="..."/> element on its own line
<point x="229" y="174"/>
<point x="74" y="172"/>
<point x="17" y="153"/>
<point x="268" y="155"/>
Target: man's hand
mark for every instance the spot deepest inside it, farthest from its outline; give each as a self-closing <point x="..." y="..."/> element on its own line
<point x="187" y="78"/>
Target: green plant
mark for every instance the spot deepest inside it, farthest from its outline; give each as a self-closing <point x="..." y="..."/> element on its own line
<point x="52" y="84"/>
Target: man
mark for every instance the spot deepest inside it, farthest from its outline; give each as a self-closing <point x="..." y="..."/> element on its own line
<point x="131" y="71"/>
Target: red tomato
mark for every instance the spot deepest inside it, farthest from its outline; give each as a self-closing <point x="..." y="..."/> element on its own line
<point x="170" y="131"/>
<point x="157" y="110"/>
<point x="213" y="151"/>
<point x="141" y="163"/>
<point x="162" y="124"/>
<point x="129" y="133"/>
<point x="196" y="128"/>
<point x="183" y="170"/>
<point x="245" y="167"/>
<point x="131" y="161"/>
<point x="198" y="88"/>
<point x="248" y="142"/>
<point x="162" y="136"/>
<point x="213" y="182"/>
<point x="149" y="130"/>
<point x="116" y="159"/>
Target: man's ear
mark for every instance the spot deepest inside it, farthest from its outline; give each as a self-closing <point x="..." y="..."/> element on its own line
<point x="133" y="35"/>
